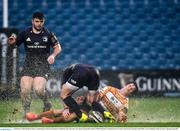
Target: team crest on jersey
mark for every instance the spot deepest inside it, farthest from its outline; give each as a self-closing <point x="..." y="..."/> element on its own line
<point x="45" y="39"/>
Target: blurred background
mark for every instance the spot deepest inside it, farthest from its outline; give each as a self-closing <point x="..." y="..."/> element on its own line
<point x="127" y="40"/>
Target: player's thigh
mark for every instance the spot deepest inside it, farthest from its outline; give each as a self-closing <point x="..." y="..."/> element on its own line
<point x="58" y="112"/>
<point x="67" y="90"/>
<point x="39" y="84"/>
<point x="26" y="83"/>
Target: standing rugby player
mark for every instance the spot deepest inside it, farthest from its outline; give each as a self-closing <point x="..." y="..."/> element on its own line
<point x="37" y="42"/>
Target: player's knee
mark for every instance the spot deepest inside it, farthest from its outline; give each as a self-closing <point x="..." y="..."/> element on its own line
<point x="40" y="92"/>
<point x="25" y="90"/>
<point x="63" y="95"/>
<point x="65" y="92"/>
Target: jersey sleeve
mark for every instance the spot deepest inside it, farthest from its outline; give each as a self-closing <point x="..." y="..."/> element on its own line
<point x="20" y="38"/>
<point x="53" y="39"/>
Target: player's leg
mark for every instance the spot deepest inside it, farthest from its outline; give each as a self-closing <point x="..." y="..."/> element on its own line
<point x="26" y="88"/>
<point x="65" y="94"/>
<point x="71" y="118"/>
<point x="93" y="85"/>
<point x="91" y="100"/>
<point x="59" y="119"/>
<point x="81" y="76"/>
<point x="49" y="114"/>
<point x="39" y="86"/>
<point x="92" y="97"/>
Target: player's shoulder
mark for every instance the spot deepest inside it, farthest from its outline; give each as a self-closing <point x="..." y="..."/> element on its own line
<point x="47" y="31"/>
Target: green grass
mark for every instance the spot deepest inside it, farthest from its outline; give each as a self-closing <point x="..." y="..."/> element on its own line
<point x="156" y="109"/>
<point x="143" y="112"/>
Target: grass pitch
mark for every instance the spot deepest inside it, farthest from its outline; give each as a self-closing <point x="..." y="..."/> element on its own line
<point x="143" y="112"/>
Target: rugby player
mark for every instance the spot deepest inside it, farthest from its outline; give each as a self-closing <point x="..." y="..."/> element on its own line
<point x="115" y="100"/>
<point x="37" y="42"/>
<point x="75" y="77"/>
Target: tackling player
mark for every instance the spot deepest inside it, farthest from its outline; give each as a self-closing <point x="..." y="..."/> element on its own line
<point x="75" y="77"/>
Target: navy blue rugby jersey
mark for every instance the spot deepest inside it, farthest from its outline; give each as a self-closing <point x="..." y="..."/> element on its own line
<point x="37" y="44"/>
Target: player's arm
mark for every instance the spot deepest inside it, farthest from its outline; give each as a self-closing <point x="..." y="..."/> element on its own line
<point x="56" y="49"/>
<point x="122" y="116"/>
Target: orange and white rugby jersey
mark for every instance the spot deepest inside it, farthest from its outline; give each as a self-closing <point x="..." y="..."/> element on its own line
<point x="112" y="100"/>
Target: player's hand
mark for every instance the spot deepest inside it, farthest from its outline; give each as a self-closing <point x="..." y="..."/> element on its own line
<point x="122" y="117"/>
<point x="66" y="113"/>
<point x="51" y="59"/>
<point x="12" y="39"/>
